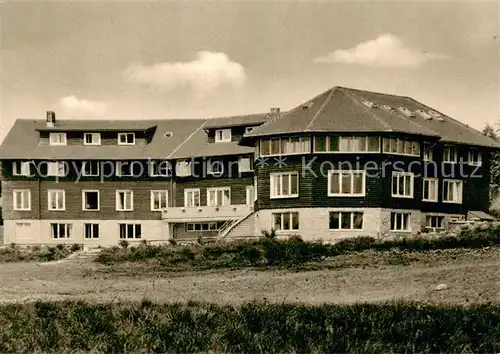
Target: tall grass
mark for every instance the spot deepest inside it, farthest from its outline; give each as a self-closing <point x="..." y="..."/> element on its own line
<point x="251" y="328"/>
<point x="267" y="252"/>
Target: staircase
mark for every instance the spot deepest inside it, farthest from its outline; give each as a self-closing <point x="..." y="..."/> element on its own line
<point x="240" y="228"/>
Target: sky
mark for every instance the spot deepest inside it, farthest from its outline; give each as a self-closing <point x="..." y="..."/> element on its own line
<point x="145" y="60"/>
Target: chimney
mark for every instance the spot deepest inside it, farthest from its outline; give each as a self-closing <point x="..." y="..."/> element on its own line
<point x="51" y="118"/>
<point x="275" y="111"/>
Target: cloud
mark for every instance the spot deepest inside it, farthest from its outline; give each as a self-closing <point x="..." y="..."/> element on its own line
<point x="75" y="107"/>
<point x="203" y="75"/>
<point x="386" y="50"/>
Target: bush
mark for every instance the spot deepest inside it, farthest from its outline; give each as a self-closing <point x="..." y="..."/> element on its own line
<point x="76" y="326"/>
<point x="123" y="244"/>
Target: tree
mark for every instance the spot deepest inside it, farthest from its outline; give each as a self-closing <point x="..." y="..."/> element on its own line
<point x="492" y="133"/>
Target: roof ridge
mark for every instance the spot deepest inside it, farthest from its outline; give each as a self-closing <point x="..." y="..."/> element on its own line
<point x="370" y="112"/>
<point x="321" y="109"/>
<point x="185" y="140"/>
<point x="374" y="92"/>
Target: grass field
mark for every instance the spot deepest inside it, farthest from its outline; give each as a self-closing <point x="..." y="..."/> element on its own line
<point x="249" y="328"/>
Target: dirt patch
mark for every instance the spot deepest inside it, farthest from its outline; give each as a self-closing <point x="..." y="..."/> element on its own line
<point x="471" y="277"/>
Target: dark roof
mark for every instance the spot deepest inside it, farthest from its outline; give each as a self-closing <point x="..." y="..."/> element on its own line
<point x="89" y="125"/>
<point x="243" y="120"/>
<point x="344" y="110"/>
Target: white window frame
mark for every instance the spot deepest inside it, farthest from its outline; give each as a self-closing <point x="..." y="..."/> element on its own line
<point x="400" y="214"/>
<point x="428" y="152"/>
<point x="162" y="197"/>
<point x="274" y="193"/>
<point x="85" y="174"/>
<point x="60" y="140"/>
<point x="57" y="168"/>
<point x="430" y="180"/>
<point x="447" y="152"/>
<point x="243" y="158"/>
<point x="22" y="168"/>
<point x="97" y="139"/>
<point x="478" y="161"/>
<point x="352" y="212"/>
<point x="92" y="231"/>
<point x="119" y="165"/>
<point x="126" y="233"/>
<point x="415" y="145"/>
<point x="160" y="168"/>
<point x="183" y="168"/>
<point x="125" y="192"/>
<point x="15" y="193"/>
<point x="57" y="194"/>
<point x="429" y="219"/>
<point x="349" y="143"/>
<point x="352" y="173"/>
<point x="401" y="176"/>
<point x="67" y="227"/>
<point x="84" y="192"/>
<point x="120" y="135"/>
<point x="211" y="163"/>
<point x="290" y="215"/>
<point x="202" y="226"/>
<point x="189" y="193"/>
<point x="225" y="135"/>
<point x="217" y="201"/>
<point x="459" y="184"/>
<point x="304" y="141"/>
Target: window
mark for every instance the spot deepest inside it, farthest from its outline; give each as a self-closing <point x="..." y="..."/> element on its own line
<point x="428" y="152"/>
<point x="218" y="196"/>
<point x="222" y="135"/>
<point x="245" y="164"/>
<point x="160" y="169"/>
<point x="57" y="168"/>
<point x="22" y="168"/>
<point x="90" y="200"/>
<point x="91" y="230"/>
<point x="130" y="231"/>
<point x="183" y="168"/>
<point x="204" y="226"/>
<point x="128" y="168"/>
<point x="346" y="183"/>
<point x="346" y="144"/>
<point x="22" y="199"/>
<point x="450" y="154"/>
<point x="57" y="139"/>
<point x="124" y="200"/>
<point x="430" y="192"/>
<point x="475" y="158"/>
<point x="434" y="221"/>
<point x="288" y="221"/>
<point x="215" y="167"/>
<point x="92" y="139"/>
<point x="56" y="199"/>
<point x="159" y="200"/>
<point x="90" y="168"/>
<point x="191" y="197"/>
<point x="402" y="184"/>
<point x="399" y="146"/>
<point x="61" y="230"/>
<point x="284" y="185"/>
<point x="400" y="221"/>
<point x="346" y="220"/>
<point x="126" y="138"/>
<point x="452" y="191"/>
<point x="285" y="146"/>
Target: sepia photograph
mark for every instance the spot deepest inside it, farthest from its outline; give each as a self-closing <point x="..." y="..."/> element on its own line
<point x="249" y="176"/>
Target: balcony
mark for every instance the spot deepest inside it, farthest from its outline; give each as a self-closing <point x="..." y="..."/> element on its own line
<point x="206" y="213"/>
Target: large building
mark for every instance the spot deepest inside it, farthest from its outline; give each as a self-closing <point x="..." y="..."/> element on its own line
<point x="345" y="163"/>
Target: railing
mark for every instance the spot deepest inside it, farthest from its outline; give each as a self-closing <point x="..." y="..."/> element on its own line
<point x="206" y="213"/>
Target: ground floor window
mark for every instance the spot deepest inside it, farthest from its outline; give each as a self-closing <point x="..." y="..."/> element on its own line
<point x="61" y="230"/>
<point x="286" y="221"/>
<point x="130" y="231"/>
<point x="205" y="226"/>
<point x="346" y="220"/>
<point x="91" y="230"/>
<point x="434" y="221"/>
<point x="400" y="221"/>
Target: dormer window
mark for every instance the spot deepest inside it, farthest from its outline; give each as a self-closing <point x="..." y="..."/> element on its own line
<point x="92" y="139"/>
<point x="475" y="158"/>
<point x="57" y="138"/>
<point x="222" y="135"/>
<point x="126" y="138"/>
<point x="450" y="154"/>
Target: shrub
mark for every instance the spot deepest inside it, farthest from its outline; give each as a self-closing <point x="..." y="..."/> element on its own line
<point x="123" y="244"/>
